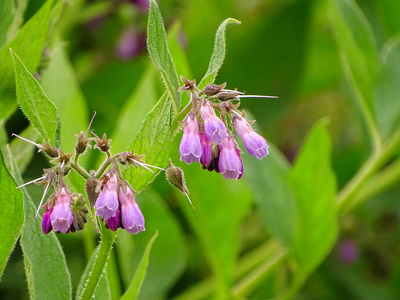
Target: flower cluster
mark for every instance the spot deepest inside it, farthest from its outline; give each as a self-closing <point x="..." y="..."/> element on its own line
<point x="110" y="197"/>
<point x="208" y="139"/>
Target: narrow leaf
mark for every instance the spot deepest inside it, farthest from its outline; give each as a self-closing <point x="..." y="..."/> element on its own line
<point x="45" y="266"/>
<point x="314" y="184"/>
<point x="154" y="141"/>
<point x="387" y="88"/>
<point x="134" y="288"/>
<point x="218" y="55"/>
<point x="11" y="214"/>
<point x="37" y="107"/>
<point x="160" y="55"/>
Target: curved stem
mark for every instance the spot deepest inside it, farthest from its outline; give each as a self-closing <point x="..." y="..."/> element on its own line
<point x="80" y="171"/>
<point x="103" y="167"/>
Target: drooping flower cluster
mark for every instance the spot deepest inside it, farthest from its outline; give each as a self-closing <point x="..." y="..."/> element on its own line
<point x="208" y="139"/>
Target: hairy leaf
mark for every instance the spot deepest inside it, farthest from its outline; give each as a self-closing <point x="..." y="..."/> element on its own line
<point x="134" y="288"/>
<point x="159" y="53"/>
<point x="37" y="107"/>
<point x="218" y="55"/>
<point x="11" y="214"/>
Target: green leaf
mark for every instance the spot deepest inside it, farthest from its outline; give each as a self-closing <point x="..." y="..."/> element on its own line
<point x="11" y="214"/>
<point x="28" y="43"/>
<point x="134" y="288"/>
<point x="60" y="84"/>
<point x="7" y="11"/>
<point x="314" y="184"/>
<point x="269" y="181"/>
<point x="357" y="50"/>
<point x="103" y="289"/>
<point x="45" y="266"/>
<point x="218" y="55"/>
<point x="37" y="107"/>
<point x="154" y="141"/>
<point x="160" y="55"/>
<point x="23" y="151"/>
<point x="168" y="256"/>
<point x="387" y="88"/>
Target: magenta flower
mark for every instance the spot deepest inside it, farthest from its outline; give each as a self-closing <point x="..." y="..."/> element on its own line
<point x="107" y="202"/>
<point x="190" y="147"/>
<point x="230" y="164"/>
<point x="114" y="222"/>
<point x="254" y="143"/>
<point x="61" y="215"/>
<point x="131" y="216"/>
<point x="214" y="128"/>
<point x="46" y="223"/>
<point x="206" y="153"/>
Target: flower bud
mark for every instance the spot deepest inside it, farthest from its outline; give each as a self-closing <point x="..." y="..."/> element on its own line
<point x="49" y="149"/>
<point x="107" y="203"/>
<point x="114" y="223"/>
<point x="176" y="177"/>
<point x="61" y="216"/>
<point x="190" y="148"/>
<point x="103" y="144"/>
<point x="82" y="143"/>
<point x="213" y="127"/>
<point x="131" y="217"/>
<point x="212" y="89"/>
<point x="230" y="163"/>
<point x="79" y="211"/>
<point x="46" y="223"/>
<point x="92" y="188"/>
<point x="206" y="153"/>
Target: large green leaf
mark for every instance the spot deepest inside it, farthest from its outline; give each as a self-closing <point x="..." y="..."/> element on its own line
<point x="387" y="89"/>
<point x="154" y="141"/>
<point x="218" y="55"/>
<point x="45" y="266"/>
<point x="37" y="107"/>
<point x="159" y="53"/>
<point x="136" y="283"/>
<point x="7" y="11"/>
<point x="61" y="86"/>
<point x="314" y="184"/>
<point x="28" y="43"/>
<point x="11" y="214"/>
<point x="357" y="50"/>
<point x="168" y="255"/>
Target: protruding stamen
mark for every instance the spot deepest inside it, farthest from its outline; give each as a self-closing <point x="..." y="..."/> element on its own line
<point x="257" y="96"/>
<point x="144" y="166"/>
<point x="190" y="201"/>
<point x="92" y="132"/>
<point x="155" y="167"/>
<point x="90" y="124"/>
<point x="35" y="180"/>
<point x="26" y="140"/>
<point x="41" y="201"/>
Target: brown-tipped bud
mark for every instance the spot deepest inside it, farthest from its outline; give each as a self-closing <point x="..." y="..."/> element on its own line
<point x="92" y="188"/>
<point x="228" y="95"/>
<point x="130" y="158"/>
<point x="213" y="89"/>
<point x="102" y="144"/>
<point x="176" y="177"/>
<point x="82" y="143"/>
<point x="189" y="85"/>
<point x="79" y="211"/>
<point x="49" y="149"/>
<point x="62" y="157"/>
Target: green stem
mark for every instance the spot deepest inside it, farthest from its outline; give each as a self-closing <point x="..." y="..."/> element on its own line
<point x="103" y="167"/>
<point x="175" y="123"/>
<point x="107" y="240"/>
<point x="80" y="171"/>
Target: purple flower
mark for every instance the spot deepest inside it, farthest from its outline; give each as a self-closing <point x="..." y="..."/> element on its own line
<point x="114" y="222"/>
<point x="46" y="223"/>
<point x="230" y="164"/>
<point x="190" y="147"/>
<point x="254" y="143"/>
<point x="61" y="216"/>
<point x="107" y="202"/>
<point x="214" y="128"/>
<point x="206" y="154"/>
<point x="131" y="216"/>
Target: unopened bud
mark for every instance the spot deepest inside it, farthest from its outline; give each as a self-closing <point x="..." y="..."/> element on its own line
<point x="92" y="190"/>
<point x="103" y="144"/>
<point x="82" y="143"/>
<point x="49" y="149"/>
<point x="228" y="95"/>
<point x="176" y="177"/>
<point x="213" y="89"/>
<point x="79" y="211"/>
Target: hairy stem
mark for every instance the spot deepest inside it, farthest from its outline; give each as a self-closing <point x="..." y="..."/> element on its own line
<point x="80" y="170"/>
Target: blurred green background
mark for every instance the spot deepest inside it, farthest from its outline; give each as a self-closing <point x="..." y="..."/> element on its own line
<point x="282" y="47"/>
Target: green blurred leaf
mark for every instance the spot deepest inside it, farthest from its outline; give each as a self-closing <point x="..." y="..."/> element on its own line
<point x="220" y="206"/>
<point x="11" y="214"/>
<point x="168" y="256"/>
<point x="269" y="181"/>
<point x="23" y="151"/>
<point x="154" y="141"/>
<point x="137" y="281"/>
<point x="37" y="107"/>
<point x="103" y="289"/>
<point x="390" y="11"/>
<point x="45" y="266"/>
<point x="357" y="50"/>
<point x="7" y="11"/>
<point x="28" y="43"/>
<point x="387" y="89"/>
<point x="60" y="85"/>
<point x="314" y="184"/>
<point x="218" y="55"/>
<point x="160" y="55"/>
